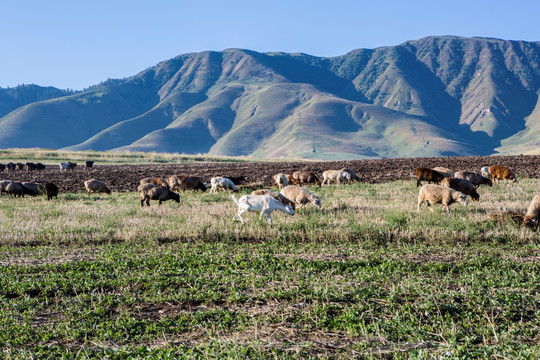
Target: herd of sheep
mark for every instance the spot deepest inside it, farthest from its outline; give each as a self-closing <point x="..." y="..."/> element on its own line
<point x="444" y="187"/>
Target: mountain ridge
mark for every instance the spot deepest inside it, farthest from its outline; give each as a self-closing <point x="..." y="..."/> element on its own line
<point x="435" y="96"/>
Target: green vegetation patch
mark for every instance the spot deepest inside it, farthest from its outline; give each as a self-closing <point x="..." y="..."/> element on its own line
<point x="366" y="276"/>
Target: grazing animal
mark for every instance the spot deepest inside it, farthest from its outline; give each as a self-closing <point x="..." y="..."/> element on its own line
<point x="300" y="195"/>
<point x="156" y="181"/>
<point x="29" y="166"/>
<point x="499" y="172"/>
<point x="281" y="180"/>
<point x="2" y="167"/>
<point x="278" y="196"/>
<point x="447" y="173"/>
<point x="237" y="180"/>
<point x="89" y="164"/>
<point x="173" y="182"/>
<point x="263" y="203"/>
<point x="96" y="186"/>
<point x="10" y="166"/>
<point x="436" y="194"/>
<point x="475" y="178"/>
<point x="51" y="190"/>
<point x="39" y="166"/>
<point x="18" y="189"/>
<point x="71" y="166"/>
<point x="485" y="171"/>
<point x="425" y="174"/>
<point x="191" y="183"/>
<point x="532" y="217"/>
<point x="3" y="185"/>
<point x="35" y="188"/>
<point x="306" y="177"/>
<point x="461" y="185"/>
<point x="154" y="192"/>
<point x="63" y="166"/>
<point x="20" y="166"/>
<point x="337" y="176"/>
<point x="222" y="182"/>
<point x="291" y="180"/>
<point x="354" y="177"/>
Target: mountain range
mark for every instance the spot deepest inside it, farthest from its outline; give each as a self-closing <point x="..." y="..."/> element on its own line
<point x="437" y="96"/>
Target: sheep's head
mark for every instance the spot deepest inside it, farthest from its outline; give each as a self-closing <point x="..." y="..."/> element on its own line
<point x="174" y="196"/>
<point x="529" y="222"/>
<point x="317" y="202"/>
<point x="462" y="198"/>
<point x="289" y="210"/>
<point x="200" y="186"/>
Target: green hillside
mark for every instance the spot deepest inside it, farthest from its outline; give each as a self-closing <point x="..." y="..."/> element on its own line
<point x="437" y="96"/>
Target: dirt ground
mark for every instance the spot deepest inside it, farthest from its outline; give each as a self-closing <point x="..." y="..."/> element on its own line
<point x="126" y="177"/>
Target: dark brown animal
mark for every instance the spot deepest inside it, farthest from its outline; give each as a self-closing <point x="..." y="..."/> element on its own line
<point x="306" y="177"/>
<point x="51" y="190"/>
<point x="461" y="185"/>
<point x="429" y="175"/>
<point x="191" y="183"/>
<point x="153" y="192"/>
<point x="237" y="180"/>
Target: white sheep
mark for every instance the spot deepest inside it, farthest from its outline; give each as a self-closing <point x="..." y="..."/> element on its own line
<point x="485" y="172"/>
<point x="338" y="176"/>
<point x="300" y="195"/>
<point x="96" y="186"/>
<point x="263" y="203"/>
<point x="436" y="194"/>
<point x="445" y="172"/>
<point x="281" y="180"/>
<point x="532" y="217"/>
<point x="222" y="182"/>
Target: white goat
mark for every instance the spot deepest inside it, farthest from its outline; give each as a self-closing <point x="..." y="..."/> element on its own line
<point x="222" y="182"/>
<point x="263" y="203"/>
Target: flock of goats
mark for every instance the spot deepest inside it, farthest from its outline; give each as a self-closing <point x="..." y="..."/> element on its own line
<point x="447" y="188"/>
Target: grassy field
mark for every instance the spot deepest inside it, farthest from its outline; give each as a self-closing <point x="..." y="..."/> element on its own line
<point x="47" y="156"/>
<point x="365" y="277"/>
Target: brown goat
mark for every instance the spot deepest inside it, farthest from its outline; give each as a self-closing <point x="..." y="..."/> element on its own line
<point x="306" y="177"/>
<point x="499" y="172"/>
<point x="156" y="181"/>
<point x="428" y="175"/>
<point x="191" y="183"/>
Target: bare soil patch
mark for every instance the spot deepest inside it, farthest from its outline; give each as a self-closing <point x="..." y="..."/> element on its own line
<point x="123" y="178"/>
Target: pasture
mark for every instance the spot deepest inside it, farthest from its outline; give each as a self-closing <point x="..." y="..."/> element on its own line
<point x="366" y="277"/>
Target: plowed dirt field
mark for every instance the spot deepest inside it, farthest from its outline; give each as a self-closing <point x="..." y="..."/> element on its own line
<point x="126" y="177"/>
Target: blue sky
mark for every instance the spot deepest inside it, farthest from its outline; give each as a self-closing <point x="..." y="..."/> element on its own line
<point x="75" y="44"/>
